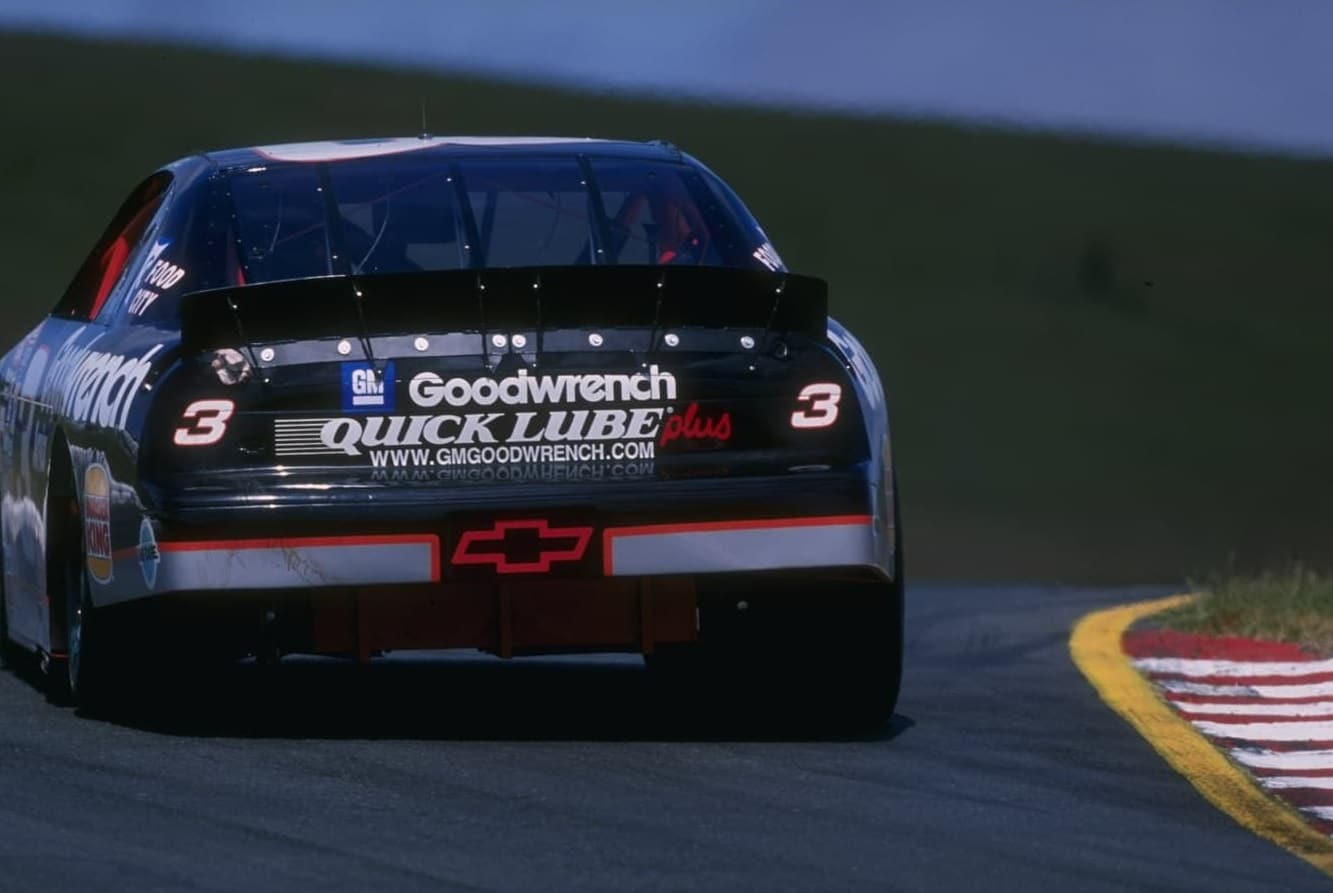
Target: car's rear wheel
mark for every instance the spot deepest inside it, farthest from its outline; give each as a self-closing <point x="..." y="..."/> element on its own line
<point x="824" y="657"/>
<point x="857" y="678"/>
<point x="86" y="675"/>
<point x="819" y="654"/>
<point x="7" y="648"/>
<point x="82" y="659"/>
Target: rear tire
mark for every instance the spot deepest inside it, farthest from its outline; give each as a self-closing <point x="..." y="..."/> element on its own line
<point x="834" y="668"/>
<point x="8" y="650"/>
<point x="87" y="675"/>
<point x="858" y="685"/>
<point x="820" y="657"/>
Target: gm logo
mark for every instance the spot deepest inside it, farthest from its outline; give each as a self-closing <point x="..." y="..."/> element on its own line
<point x="366" y="388"/>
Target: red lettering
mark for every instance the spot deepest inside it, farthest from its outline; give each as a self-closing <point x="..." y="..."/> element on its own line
<point x="690" y="426"/>
<point x="672" y="429"/>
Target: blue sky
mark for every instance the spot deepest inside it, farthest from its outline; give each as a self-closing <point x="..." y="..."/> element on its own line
<point x="1250" y="73"/>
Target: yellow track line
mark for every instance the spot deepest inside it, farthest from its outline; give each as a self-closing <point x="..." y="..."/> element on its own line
<point x="1095" y="647"/>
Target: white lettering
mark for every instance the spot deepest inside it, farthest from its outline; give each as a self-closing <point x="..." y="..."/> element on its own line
<point x="475" y="428"/>
<point x="457" y="392"/>
<point x="371" y="436"/>
<point x="428" y="390"/>
<point x="523" y="421"/>
<point x="607" y="424"/>
<point x="643" y="423"/>
<point x="592" y="388"/>
<point x="563" y="425"/>
<point x="434" y="425"/>
<point x="98" y="388"/>
<point x="346" y="441"/>
<point x="559" y="429"/>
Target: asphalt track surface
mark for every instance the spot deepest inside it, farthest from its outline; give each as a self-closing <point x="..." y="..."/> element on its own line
<point x="1002" y="771"/>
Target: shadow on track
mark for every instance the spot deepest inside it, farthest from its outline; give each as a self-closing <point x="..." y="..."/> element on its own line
<point x="452" y="698"/>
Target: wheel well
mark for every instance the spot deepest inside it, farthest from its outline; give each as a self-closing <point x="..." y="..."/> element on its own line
<point x="62" y="521"/>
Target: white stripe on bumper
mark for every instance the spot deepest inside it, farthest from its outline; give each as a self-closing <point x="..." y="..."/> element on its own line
<point x="298" y="562"/>
<point x="717" y="547"/>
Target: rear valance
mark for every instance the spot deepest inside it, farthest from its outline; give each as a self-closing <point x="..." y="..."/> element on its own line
<point x="527" y="298"/>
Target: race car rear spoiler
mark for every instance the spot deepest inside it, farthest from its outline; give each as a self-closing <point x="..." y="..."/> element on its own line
<point x="526" y="298"/>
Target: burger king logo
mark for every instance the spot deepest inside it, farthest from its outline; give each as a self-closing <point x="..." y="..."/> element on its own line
<point x="97" y="521"/>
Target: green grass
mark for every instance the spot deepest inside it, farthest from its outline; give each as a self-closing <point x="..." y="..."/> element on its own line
<point x="1104" y="361"/>
<point x="1295" y="605"/>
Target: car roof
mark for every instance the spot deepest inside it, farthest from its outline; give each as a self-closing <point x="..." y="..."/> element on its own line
<point x="342" y="150"/>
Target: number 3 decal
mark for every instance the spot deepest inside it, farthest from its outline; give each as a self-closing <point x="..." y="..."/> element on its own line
<point x="823" y="398"/>
<point x="208" y="422"/>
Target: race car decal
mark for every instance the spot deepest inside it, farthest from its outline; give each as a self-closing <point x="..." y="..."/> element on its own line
<point x="428" y="390"/>
<point x="162" y="275"/>
<point x="490" y="434"/>
<point x="95" y="387"/>
<point x="149" y="556"/>
<point x="819" y="405"/>
<point x="366" y="388"/>
<point x="205" y="423"/>
<point x="720" y="546"/>
<point x="693" y="425"/>
<point x="557" y="436"/>
<point x="97" y="521"/>
<point x="397" y="468"/>
<point x="546" y="545"/>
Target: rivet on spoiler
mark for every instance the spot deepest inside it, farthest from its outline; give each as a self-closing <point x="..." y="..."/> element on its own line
<point x="671" y="339"/>
<point x="499" y="340"/>
<point x="344" y="347"/>
<point x="266" y="355"/>
<point x="421" y="343"/>
<point x="595" y="339"/>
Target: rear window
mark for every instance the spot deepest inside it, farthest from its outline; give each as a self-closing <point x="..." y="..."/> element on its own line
<point x="405" y="214"/>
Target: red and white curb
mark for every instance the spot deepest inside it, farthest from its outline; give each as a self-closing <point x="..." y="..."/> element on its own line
<point x="1268" y="705"/>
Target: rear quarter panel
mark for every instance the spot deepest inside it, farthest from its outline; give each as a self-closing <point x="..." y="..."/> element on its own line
<point x="83" y="388"/>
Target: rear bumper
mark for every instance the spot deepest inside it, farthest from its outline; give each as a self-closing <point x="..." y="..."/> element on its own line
<point x="234" y="535"/>
<point x="712" y="547"/>
<point x="632" y="551"/>
<point x="298" y="562"/>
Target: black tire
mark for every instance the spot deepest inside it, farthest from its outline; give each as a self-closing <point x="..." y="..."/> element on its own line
<point x="83" y="673"/>
<point x="871" y="667"/>
<point x="865" y="677"/>
<point x="7" y="648"/>
<point x="787" y="667"/>
<point x="859" y="683"/>
<point x="831" y="664"/>
<point x="873" y="662"/>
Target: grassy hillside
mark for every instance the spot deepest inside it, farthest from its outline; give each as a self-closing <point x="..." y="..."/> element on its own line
<point x="1105" y="362"/>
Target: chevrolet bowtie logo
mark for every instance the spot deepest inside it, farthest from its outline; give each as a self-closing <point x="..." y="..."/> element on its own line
<point x="522" y="547"/>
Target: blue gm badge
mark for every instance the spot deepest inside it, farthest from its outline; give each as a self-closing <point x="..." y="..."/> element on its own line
<point x="149" y="555"/>
<point x="367" y="389"/>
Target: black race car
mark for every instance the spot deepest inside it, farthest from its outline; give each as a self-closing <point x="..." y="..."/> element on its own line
<point x="518" y="395"/>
